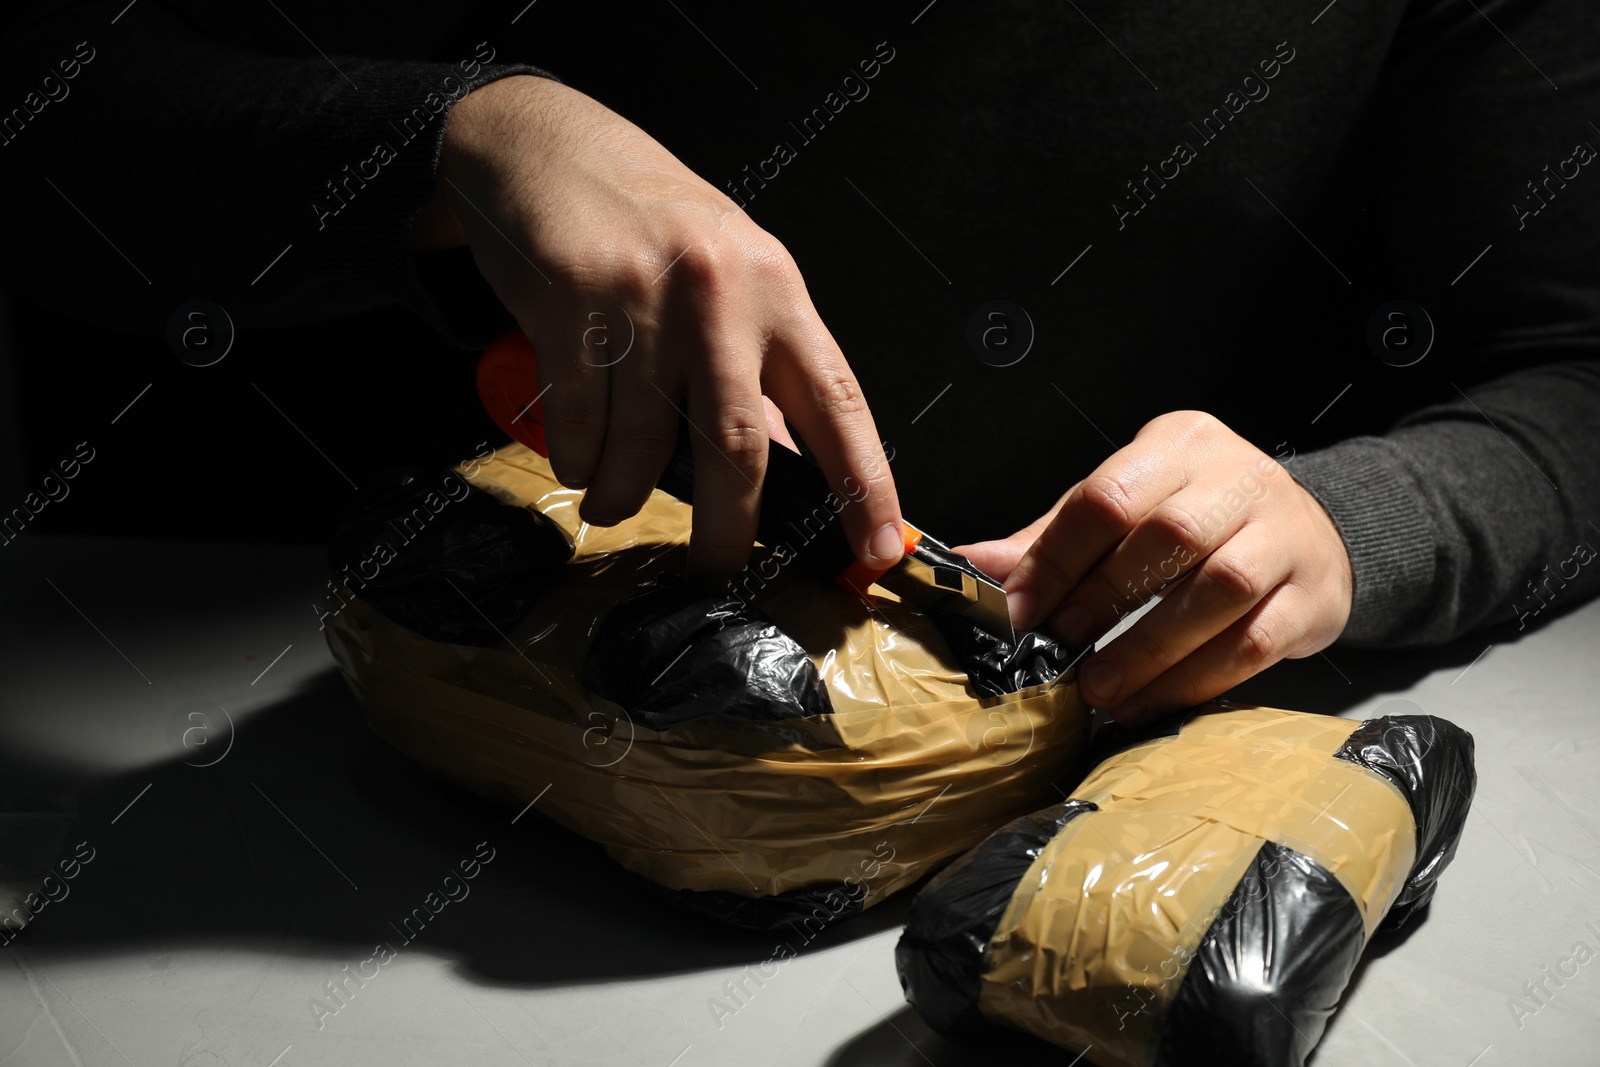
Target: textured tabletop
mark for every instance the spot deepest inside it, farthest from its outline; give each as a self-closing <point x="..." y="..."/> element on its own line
<point x="232" y="882"/>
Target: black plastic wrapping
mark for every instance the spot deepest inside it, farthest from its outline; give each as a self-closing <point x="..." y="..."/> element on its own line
<point x="467" y="571"/>
<point x="442" y="559"/>
<point x="1269" y="972"/>
<point x="1290" y="935"/>
<point x="1430" y="761"/>
<point x="670" y="654"/>
<point x="940" y="956"/>
<point x="995" y="666"/>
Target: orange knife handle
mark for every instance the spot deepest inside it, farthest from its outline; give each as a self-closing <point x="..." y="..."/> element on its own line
<point x="858" y="577"/>
<point x="508" y="386"/>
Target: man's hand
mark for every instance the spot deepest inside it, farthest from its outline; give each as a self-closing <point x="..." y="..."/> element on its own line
<point x="1265" y="573"/>
<point x="592" y="235"/>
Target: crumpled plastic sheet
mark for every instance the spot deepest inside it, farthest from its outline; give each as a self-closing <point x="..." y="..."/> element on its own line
<point x="1203" y="897"/>
<point x="772" y="749"/>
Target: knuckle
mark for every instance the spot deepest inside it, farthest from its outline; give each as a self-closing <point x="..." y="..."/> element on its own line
<point x="579" y="417"/>
<point x="780" y="280"/>
<point x="645" y="448"/>
<point x="743" y="440"/>
<point x="1236" y="576"/>
<point x="838" y="393"/>
<point x="704" y="264"/>
<point x="1257" y="646"/>
<point x="1192" y="425"/>
<point x="1182" y="425"/>
<point x="767" y="258"/>
<point x="1108" y="502"/>
<point x="1176" y="526"/>
<point x="1157" y="425"/>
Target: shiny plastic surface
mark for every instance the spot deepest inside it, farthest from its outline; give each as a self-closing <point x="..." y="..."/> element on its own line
<point x="389" y="543"/>
<point x="1431" y="762"/>
<point x="902" y="766"/>
<point x="940" y="957"/>
<point x="1269" y="973"/>
<point x="1246" y="858"/>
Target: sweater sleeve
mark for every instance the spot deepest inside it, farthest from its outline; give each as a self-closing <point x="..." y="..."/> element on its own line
<point x="170" y="165"/>
<point x="1483" y="507"/>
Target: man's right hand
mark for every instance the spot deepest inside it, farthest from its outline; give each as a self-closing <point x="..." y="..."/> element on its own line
<point x="591" y="232"/>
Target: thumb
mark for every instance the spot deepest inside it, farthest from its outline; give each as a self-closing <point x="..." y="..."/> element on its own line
<point x="997" y="559"/>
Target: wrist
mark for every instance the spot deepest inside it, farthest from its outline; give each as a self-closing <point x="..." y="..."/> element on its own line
<point x="472" y="122"/>
<point x="486" y="119"/>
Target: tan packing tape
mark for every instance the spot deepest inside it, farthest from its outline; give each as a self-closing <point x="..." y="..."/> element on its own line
<point x="909" y="769"/>
<point x="1100" y="931"/>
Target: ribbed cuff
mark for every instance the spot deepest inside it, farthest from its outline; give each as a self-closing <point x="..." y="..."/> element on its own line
<point x="367" y="244"/>
<point x="1387" y="532"/>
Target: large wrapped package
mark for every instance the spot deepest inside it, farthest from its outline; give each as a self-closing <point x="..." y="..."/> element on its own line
<point x="780" y="750"/>
<point x="1201" y="897"/>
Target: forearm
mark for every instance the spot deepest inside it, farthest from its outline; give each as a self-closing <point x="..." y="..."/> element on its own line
<point x="1479" y="510"/>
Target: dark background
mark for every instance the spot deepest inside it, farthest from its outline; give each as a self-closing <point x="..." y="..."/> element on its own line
<point x="980" y="143"/>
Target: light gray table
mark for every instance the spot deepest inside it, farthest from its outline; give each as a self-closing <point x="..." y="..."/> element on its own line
<point x="222" y="898"/>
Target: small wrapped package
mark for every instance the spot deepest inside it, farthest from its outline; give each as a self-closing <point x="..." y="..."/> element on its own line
<point x="778" y="751"/>
<point x="1202" y="897"/>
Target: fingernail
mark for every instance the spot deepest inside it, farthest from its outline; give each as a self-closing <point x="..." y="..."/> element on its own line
<point x="588" y="514"/>
<point x="888" y="544"/>
<point x="1073" y="623"/>
<point x="1019" y="605"/>
<point x="1101" y="680"/>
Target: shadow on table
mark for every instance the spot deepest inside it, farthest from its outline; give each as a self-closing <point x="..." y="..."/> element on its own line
<point x="1327" y="685"/>
<point x="902" y="1039"/>
<point x="312" y="829"/>
<point x="1337" y="679"/>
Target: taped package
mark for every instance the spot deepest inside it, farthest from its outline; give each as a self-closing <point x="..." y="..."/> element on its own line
<point x="1201" y="897"/>
<point x="779" y="751"/>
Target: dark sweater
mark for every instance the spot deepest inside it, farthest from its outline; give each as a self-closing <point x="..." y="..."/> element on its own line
<point x="1198" y="207"/>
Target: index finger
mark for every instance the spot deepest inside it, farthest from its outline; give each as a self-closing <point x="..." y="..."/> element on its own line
<point x="728" y="427"/>
<point x="807" y="376"/>
<point x="1095" y="516"/>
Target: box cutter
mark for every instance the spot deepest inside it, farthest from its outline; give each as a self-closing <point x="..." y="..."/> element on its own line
<point x="795" y="506"/>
